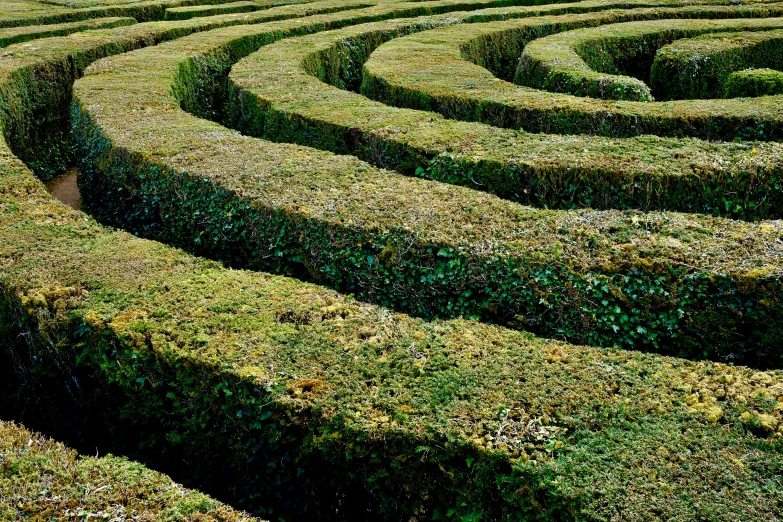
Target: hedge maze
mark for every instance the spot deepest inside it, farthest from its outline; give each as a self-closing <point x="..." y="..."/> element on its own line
<point x="396" y="260"/>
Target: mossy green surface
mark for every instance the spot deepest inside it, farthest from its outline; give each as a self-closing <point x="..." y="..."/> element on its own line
<point x="446" y="82"/>
<point x="22" y="34"/>
<point x="278" y="94"/>
<point x="210" y="367"/>
<point x="183" y="13"/>
<point x="302" y="403"/>
<point x="613" y="61"/>
<point x="41" y="479"/>
<point x="700" y="67"/>
<point x="669" y="282"/>
<point x="754" y="82"/>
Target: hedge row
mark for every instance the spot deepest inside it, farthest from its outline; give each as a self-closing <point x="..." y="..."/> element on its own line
<point x="39" y="133"/>
<point x="301" y="403"/>
<point x="26" y="33"/>
<point x="183" y="13"/>
<point x="41" y="479"/>
<point x="613" y="62"/>
<point x="754" y="82"/>
<point x="674" y="283"/>
<point x="45" y="148"/>
<point x="700" y="67"/>
<point x="17" y="14"/>
<point x="277" y="95"/>
<point x="319" y="407"/>
<point x="447" y="83"/>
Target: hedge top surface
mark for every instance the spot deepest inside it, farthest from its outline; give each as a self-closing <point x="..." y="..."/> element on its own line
<point x="712" y="43"/>
<point x="467" y="389"/>
<point x="344" y="190"/>
<point x="446" y="79"/>
<point x="287" y="77"/>
<point x="574" y="425"/>
<point x="43" y="479"/>
<point x="584" y="57"/>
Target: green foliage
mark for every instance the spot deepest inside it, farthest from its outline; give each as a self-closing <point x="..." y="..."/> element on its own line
<point x="304" y="404"/>
<point x="703" y="67"/>
<point x="42" y="479"/>
<point x="754" y="82"/>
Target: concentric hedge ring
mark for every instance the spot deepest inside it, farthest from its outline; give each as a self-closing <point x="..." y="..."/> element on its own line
<point x="366" y="231"/>
<point x="313" y="404"/>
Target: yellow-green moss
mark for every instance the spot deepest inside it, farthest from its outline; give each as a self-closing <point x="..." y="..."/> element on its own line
<point x="42" y="479"/>
<point x="304" y="403"/>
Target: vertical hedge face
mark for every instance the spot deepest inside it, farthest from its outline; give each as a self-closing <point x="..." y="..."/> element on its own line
<point x="41" y="477"/>
<point x="343" y="163"/>
<point x="705" y="67"/>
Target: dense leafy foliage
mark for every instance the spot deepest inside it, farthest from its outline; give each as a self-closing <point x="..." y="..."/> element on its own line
<point x="299" y="402"/>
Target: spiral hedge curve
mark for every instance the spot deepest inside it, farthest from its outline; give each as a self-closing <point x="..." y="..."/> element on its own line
<point x="594" y="285"/>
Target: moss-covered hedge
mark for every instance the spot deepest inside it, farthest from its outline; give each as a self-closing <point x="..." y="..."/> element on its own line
<point x="754" y="82"/>
<point x="665" y="282"/>
<point x="445" y="82"/>
<point x="304" y="404"/>
<point x="42" y="479"/>
<point x="277" y="95"/>
<point x="38" y="126"/>
<point x="26" y="33"/>
<point x="183" y="13"/>
<point x="700" y="67"/>
<point x="613" y="61"/>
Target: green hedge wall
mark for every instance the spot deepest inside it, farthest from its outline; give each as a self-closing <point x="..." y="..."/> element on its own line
<point x="305" y="404"/>
<point x="700" y="67"/>
<point x="41" y="478"/>
<point x="277" y="94"/>
<point x="754" y="82"/>
<point x="449" y="84"/>
<point x="343" y="223"/>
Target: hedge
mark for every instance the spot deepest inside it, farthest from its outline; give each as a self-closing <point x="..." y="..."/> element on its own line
<point x="183" y="13"/>
<point x="297" y="402"/>
<point x="754" y="82"/>
<point x="302" y="403"/>
<point x="17" y="14"/>
<point x="449" y="84"/>
<point x="277" y="94"/>
<point x="43" y="479"/>
<point x="39" y="135"/>
<point x="24" y="14"/>
<point x="674" y="283"/>
<point x="613" y="61"/>
<point x="700" y="67"/>
<point x="26" y="33"/>
<point x="45" y="148"/>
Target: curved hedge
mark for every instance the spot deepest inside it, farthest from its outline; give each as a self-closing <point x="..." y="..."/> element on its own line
<point x="41" y="478"/>
<point x="362" y="230"/>
<point x="26" y="33"/>
<point x="701" y="67"/>
<point x="302" y="403"/>
<point x="606" y="62"/>
<point x="451" y="85"/>
<point x="183" y="13"/>
<point x="754" y="82"/>
<point x="277" y="94"/>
